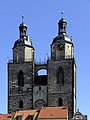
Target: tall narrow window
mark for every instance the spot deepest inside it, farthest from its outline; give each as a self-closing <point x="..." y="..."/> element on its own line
<point x="20" y="104"/>
<point x="60" y="76"/>
<point x="60" y="102"/>
<point x="20" y="79"/>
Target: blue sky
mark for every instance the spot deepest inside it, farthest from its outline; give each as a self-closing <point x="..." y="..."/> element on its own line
<point x="41" y="17"/>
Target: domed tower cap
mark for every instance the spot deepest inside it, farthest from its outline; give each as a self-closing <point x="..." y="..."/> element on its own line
<point x="62" y="20"/>
<point x="78" y="112"/>
<point x="23" y="24"/>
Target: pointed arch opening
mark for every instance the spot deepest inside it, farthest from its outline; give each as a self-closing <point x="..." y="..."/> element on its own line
<point x="60" y="102"/>
<point x="39" y="104"/>
<point x="60" y="76"/>
<point x="20" y="104"/>
<point x="20" y="78"/>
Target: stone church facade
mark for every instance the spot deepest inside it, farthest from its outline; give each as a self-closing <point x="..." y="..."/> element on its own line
<point x="29" y="90"/>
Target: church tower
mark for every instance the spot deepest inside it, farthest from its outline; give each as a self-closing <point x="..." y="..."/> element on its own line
<point x="62" y="71"/>
<point x="20" y="73"/>
<point x="29" y="90"/>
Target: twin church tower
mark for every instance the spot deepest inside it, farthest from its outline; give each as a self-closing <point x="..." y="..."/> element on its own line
<point x="29" y="90"/>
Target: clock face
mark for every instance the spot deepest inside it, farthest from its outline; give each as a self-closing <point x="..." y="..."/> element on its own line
<point x="60" y="47"/>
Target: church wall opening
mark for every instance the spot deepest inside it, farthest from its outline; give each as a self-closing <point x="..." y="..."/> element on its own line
<point x="41" y="77"/>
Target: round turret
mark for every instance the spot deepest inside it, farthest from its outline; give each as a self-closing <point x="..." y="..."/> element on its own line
<point x="62" y="24"/>
<point x="23" y="30"/>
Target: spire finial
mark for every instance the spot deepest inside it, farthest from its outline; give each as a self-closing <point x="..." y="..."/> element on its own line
<point x="77" y="110"/>
<point x="22" y="18"/>
<point x="62" y="14"/>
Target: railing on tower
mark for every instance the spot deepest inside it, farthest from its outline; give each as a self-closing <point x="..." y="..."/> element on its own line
<point x="20" y="60"/>
<point x="39" y="62"/>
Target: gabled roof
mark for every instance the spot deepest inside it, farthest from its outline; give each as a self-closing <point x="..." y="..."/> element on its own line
<point x="53" y="112"/>
<point x="26" y="113"/>
<point x="5" y="116"/>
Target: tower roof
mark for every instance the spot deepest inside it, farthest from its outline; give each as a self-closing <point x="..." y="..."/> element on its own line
<point x="23" y="25"/>
<point x="62" y="20"/>
<point x="78" y="112"/>
<point x="23" y="38"/>
<point x="62" y="38"/>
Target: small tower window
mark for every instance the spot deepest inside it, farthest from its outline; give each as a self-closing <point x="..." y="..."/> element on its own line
<point x="20" y="79"/>
<point x="60" y="76"/>
<point x="20" y="104"/>
<point x="60" y="102"/>
<point x="39" y="88"/>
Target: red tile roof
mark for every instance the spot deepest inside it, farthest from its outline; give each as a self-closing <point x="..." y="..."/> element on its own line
<point x="4" y="116"/>
<point x="26" y="113"/>
<point x="53" y="112"/>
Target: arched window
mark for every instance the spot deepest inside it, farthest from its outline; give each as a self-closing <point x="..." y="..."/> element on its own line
<point x="60" y="102"/>
<point x="20" y="79"/>
<point x="20" y="104"/>
<point x="39" y="104"/>
<point x="41" y="77"/>
<point x="60" y="76"/>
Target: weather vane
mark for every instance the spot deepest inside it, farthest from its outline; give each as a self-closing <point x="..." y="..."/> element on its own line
<point x="62" y="14"/>
<point x="22" y="18"/>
